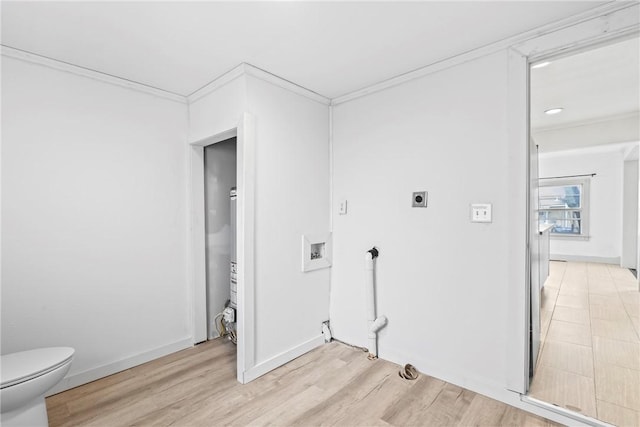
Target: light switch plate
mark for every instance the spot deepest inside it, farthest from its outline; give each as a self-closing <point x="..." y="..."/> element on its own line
<point x="481" y="212"/>
<point x="342" y="209"/>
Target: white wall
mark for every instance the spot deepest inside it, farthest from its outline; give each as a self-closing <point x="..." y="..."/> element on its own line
<point x="605" y="205"/>
<point x="213" y="110"/>
<point x="93" y="219"/>
<point x="441" y="280"/>
<point x="292" y="199"/>
<point x="217" y="111"/>
<point x="629" y="256"/>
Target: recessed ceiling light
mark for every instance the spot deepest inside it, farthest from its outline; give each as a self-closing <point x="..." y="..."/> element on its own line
<point x="540" y="65"/>
<point x="553" y="111"/>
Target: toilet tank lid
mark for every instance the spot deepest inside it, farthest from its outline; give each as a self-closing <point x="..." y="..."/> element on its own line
<point x="25" y="365"/>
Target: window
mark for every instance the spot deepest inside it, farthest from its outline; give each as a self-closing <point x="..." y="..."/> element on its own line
<point x="564" y="204"/>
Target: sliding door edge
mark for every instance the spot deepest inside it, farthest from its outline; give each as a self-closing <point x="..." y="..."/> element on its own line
<point x="564" y="412"/>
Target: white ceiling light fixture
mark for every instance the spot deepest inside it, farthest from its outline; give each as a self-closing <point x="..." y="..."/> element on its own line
<point x="540" y="65"/>
<point x="553" y="111"/>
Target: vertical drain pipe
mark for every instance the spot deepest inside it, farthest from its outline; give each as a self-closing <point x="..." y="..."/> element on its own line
<point x="374" y="324"/>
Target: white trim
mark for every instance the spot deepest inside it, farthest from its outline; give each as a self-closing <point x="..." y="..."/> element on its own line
<point x="245" y="133"/>
<point x="466" y="379"/>
<point x="219" y="137"/>
<point x="617" y="22"/>
<point x="482" y="385"/>
<point x="245" y="69"/>
<point x="33" y="58"/>
<point x="575" y="416"/>
<point x="585" y="258"/>
<point x="518" y="154"/>
<point x="612" y="22"/>
<point x="331" y="168"/>
<point x="261" y="74"/>
<point x="198" y="279"/>
<point x="582" y="123"/>
<point x="604" y="25"/>
<point x="217" y="83"/>
<point x="621" y="21"/>
<point x="246" y="244"/>
<point x="603" y="148"/>
<point x="631" y="152"/>
<point x="282" y="358"/>
<point x="93" y="374"/>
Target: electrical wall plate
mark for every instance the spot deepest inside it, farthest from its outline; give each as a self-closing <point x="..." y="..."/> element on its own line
<point x="481" y="212"/>
<point x="419" y="199"/>
<point x="342" y="207"/>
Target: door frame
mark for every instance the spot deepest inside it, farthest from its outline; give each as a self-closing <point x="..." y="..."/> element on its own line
<point x="245" y="238"/>
<point x="619" y="22"/>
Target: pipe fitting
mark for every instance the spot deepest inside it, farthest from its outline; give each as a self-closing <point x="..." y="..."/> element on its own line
<point x="374" y="252"/>
<point x="378" y="324"/>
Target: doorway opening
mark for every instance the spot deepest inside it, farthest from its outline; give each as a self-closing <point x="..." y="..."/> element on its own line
<point x="583" y="216"/>
<point x="244" y="136"/>
<point x="220" y="166"/>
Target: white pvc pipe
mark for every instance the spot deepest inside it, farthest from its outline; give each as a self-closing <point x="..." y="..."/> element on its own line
<point x="374" y="324"/>
<point x="370" y="303"/>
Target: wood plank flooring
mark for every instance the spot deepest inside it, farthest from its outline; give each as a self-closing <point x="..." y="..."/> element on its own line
<point x="590" y="355"/>
<point x="332" y="385"/>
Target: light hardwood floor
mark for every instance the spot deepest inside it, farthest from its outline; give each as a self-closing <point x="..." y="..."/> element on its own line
<point x="590" y="354"/>
<point x="332" y="385"/>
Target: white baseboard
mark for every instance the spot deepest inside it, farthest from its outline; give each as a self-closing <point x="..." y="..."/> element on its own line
<point x="470" y="381"/>
<point x="93" y="374"/>
<point x="484" y="386"/>
<point x="282" y="358"/>
<point x="585" y="258"/>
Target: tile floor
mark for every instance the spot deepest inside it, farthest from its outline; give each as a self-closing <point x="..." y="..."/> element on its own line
<point x="590" y="352"/>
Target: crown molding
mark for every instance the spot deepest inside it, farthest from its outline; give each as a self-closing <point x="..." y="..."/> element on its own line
<point x="608" y="119"/>
<point x="631" y="152"/>
<point x="617" y="20"/>
<point x="261" y="74"/>
<point x="612" y="18"/>
<point x="217" y="83"/>
<point x="246" y="69"/>
<point x="33" y="58"/>
<point x="620" y="147"/>
<point x="224" y="79"/>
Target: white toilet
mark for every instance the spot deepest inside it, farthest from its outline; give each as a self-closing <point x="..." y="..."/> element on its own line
<point x="26" y="377"/>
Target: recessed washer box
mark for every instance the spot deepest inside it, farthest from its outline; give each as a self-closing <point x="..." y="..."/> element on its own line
<point x="316" y="251"/>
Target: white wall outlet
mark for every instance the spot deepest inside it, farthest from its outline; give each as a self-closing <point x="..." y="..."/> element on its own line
<point x="342" y="208"/>
<point x="481" y="212"/>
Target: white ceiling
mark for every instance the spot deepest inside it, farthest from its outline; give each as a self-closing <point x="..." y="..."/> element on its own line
<point x="602" y="82"/>
<point x="332" y="48"/>
<point x="600" y="92"/>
